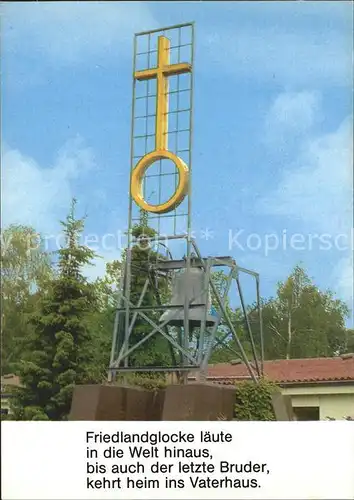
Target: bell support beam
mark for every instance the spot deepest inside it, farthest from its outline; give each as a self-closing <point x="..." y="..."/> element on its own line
<point x="181" y="264"/>
<point x="230" y="325"/>
<point x="204" y="363"/>
<point x="139" y="309"/>
<point x="126" y="340"/>
<point x="158" y="328"/>
<point x="260" y="322"/>
<point x="204" y="319"/>
<point x="248" y="326"/>
<point x="159" y="308"/>
<point x="198" y="360"/>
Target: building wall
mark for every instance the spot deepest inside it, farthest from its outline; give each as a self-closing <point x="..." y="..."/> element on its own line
<point x="5" y="403"/>
<point x="335" y="401"/>
<point x="336" y="406"/>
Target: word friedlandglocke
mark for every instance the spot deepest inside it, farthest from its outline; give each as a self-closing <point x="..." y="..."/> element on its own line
<point x="158" y="437"/>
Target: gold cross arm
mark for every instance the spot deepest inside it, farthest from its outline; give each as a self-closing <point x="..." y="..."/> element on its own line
<point x="163" y="70"/>
<point x="173" y="69"/>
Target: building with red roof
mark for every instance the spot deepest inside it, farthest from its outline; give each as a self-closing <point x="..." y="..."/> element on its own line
<point x="319" y="388"/>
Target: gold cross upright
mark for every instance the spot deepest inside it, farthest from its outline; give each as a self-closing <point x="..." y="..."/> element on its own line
<point x="163" y="70"/>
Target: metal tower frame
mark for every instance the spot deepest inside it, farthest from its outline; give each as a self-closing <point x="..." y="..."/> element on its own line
<point x="127" y="313"/>
<point x="207" y="336"/>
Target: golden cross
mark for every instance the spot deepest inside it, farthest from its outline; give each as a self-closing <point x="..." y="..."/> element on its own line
<point x="163" y="70"/>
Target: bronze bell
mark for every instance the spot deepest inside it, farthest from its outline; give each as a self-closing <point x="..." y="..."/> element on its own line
<point x="190" y="285"/>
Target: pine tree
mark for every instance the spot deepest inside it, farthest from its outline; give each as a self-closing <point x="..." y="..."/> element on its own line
<point x="59" y="350"/>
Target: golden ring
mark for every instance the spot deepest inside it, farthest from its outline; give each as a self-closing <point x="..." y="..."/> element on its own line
<point x="137" y="180"/>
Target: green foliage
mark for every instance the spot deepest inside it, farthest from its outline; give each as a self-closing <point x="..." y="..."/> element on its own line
<point x="58" y="352"/>
<point x="149" y="381"/>
<point x="253" y="401"/>
<point x="301" y="321"/>
<point x="107" y="286"/>
<point x="25" y="273"/>
<point x="349" y="341"/>
<point x="100" y="320"/>
<point x="57" y="328"/>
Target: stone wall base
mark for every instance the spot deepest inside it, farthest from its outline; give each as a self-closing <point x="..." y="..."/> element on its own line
<point x="176" y="402"/>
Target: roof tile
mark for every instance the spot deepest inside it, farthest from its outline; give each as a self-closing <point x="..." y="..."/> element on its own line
<point x="291" y="370"/>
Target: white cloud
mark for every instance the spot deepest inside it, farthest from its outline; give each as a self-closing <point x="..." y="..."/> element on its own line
<point x="265" y="43"/>
<point x="38" y="196"/>
<point x="317" y="187"/>
<point x="282" y="55"/>
<point x="75" y="31"/>
<point x="292" y="114"/>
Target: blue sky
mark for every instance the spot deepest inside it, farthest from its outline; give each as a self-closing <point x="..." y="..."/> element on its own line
<point x="272" y="151"/>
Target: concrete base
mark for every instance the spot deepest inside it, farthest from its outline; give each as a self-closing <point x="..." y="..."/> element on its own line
<point x="108" y="402"/>
<point x="199" y="402"/>
<point x="176" y="402"/>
